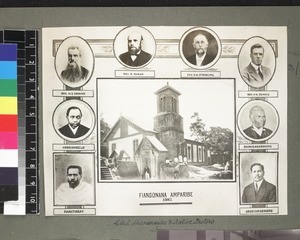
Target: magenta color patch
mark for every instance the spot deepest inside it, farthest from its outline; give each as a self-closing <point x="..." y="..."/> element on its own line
<point x="8" y="140"/>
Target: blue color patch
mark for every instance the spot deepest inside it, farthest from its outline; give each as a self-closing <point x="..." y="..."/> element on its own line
<point x="8" y="70"/>
<point x="8" y="52"/>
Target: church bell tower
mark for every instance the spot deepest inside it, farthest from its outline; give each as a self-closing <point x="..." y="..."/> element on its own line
<point x="168" y="123"/>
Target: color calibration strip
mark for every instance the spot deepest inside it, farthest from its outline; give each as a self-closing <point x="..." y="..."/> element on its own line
<point x="8" y="123"/>
<point x="27" y="92"/>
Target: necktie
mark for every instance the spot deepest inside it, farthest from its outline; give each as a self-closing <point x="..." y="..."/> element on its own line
<point x="256" y="189"/>
<point x="260" y="74"/>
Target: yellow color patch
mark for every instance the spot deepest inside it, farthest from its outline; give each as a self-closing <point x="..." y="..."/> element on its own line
<point x="8" y="105"/>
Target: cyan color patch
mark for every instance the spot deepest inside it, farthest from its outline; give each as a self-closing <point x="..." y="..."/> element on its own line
<point x="8" y="70"/>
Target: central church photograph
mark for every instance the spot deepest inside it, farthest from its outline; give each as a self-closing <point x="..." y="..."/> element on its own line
<point x="166" y="130"/>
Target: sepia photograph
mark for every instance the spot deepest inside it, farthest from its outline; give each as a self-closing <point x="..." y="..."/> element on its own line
<point x="166" y="116"/>
<point x="74" y="62"/>
<point x="134" y="47"/>
<point x="200" y="48"/>
<point x="258" y="178"/>
<point x="166" y="129"/>
<point x="258" y="120"/>
<point x="74" y="179"/>
<point x="257" y="62"/>
<point x="73" y="120"/>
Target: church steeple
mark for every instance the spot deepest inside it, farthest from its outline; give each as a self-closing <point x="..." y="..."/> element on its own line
<point x="167" y="99"/>
<point x="168" y="123"/>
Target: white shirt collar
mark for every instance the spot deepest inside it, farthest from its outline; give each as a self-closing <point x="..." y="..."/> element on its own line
<point x="258" y="183"/>
<point x="74" y="130"/>
<point x="256" y="67"/>
<point x="259" y="131"/>
<point x="199" y="60"/>
<point x="134" y="56"/>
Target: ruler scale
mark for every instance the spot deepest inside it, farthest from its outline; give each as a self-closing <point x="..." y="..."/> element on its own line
<point x="31" y="81"/>
<point x="27" y="62"/>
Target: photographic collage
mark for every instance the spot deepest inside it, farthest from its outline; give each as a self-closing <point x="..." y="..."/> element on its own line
<point x="165" y="121"/>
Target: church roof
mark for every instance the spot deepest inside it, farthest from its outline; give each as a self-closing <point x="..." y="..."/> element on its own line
<point x="156" y="143"/>
<point x="167" y="87"/>
<point x="132" y="123"/>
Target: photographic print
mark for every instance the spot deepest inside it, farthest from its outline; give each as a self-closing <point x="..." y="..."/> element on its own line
<point x="74" y="62"/>
<point x="167" y="129"/>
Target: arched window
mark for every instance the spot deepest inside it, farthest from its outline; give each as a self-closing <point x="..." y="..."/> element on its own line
<point x="174" y="104"/>
<point x="162" y="103"/>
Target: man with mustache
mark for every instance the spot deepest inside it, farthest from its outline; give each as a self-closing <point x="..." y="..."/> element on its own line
<point x="258" y="118"/>
<point x="74" y="128"/>
<point x="202" y="56"/>
<point x="260" y="190"/>
<point x="135" y="57"/>
<point x="74" y="72"/>
<point x="75" y="191"/>
<point x="255" y="74"/>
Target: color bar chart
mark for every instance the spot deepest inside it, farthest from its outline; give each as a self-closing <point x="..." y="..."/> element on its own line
<point x="26" y="91"/>
<point x="8" y="123"/>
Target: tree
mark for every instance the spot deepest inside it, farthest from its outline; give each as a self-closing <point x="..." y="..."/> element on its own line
<point x="197" y="128"/>
<point x="220" y="141"/>
<point x="104" y="128"/>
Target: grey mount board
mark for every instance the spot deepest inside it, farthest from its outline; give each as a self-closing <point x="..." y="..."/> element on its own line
<point x="40" y="227"/>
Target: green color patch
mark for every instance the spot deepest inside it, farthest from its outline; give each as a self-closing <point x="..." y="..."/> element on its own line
<point x="8" y="87"/>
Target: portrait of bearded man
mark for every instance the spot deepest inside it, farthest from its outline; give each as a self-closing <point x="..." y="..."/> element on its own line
<point x="74" y="71"/>
<point x="202" y="56"/>
<point x="135" y="56"/>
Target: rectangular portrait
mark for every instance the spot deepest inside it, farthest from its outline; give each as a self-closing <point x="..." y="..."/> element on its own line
<point x="74" y="181"/>
<point x="259" y="178"/>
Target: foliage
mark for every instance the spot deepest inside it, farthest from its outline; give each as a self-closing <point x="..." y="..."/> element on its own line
<point x="197" y="128"/>
<point x="104" y="128"/>
<point x="218" y="139"/>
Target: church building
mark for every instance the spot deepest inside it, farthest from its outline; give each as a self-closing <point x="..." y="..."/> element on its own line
<point x="138" y="148"/>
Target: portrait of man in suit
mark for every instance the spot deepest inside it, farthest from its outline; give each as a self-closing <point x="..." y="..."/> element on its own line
<point x="74" y="128"/>
<point x="135" y="56"/>
<point x="255" y="74"/>
<point x="259" y="191"/>
<point x="258" y="118"/>
<point x="202" y="55"/>
<point x="74" y="71"/>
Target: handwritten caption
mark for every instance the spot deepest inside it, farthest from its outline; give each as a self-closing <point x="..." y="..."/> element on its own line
<point x="149" y="222"/>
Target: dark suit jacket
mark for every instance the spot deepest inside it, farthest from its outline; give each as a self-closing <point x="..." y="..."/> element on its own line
<point x="84" y="71"/>
<point x="141" y="59"/>
<point x="250" y="76"/>
<point x="67" y="132"/>
<point x="266" y="193"/>
<point x="209" y="57"/>
<point x="252" y="134"/>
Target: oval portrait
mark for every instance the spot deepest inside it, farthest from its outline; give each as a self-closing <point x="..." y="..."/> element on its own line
<point x="200" y="48"/>
<point x="134" y="47"/>
<point x="73" y="120"/>
<point x="258" y="120"/>
<point x="257" y="62"/>
<point x="74" y="62"/>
